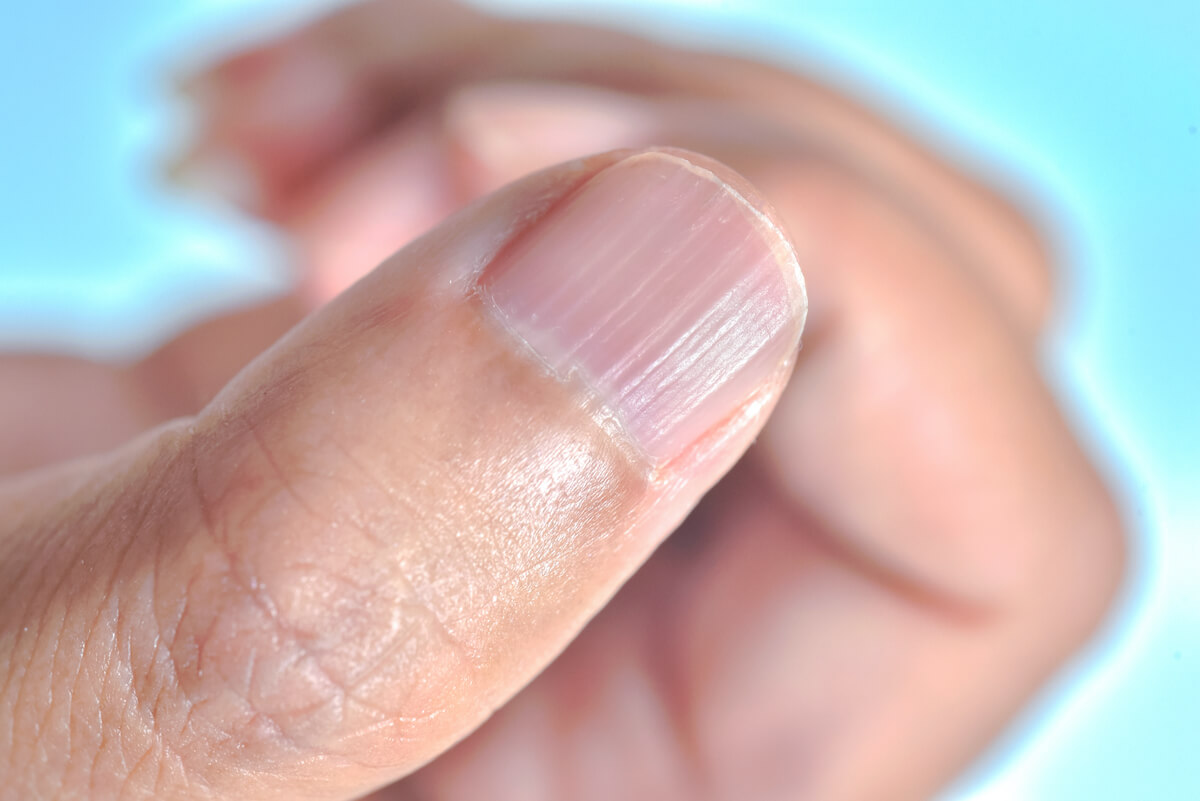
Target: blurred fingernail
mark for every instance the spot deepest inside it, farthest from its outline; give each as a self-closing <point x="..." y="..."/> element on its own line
<point x="663" y="288"/>
<point x="283" y="102"/>
<point x="513" y="129"/>
<point x="218" y="174"/>
<point x="271" y="89"/>
<point x="297" y="87"/>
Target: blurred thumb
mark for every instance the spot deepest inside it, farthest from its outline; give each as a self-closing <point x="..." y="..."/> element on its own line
<point x="393" y="519"/>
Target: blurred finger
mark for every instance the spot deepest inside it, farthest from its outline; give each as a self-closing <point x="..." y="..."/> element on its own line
<point x="971" y="545"/>
<point x="380" y="59"/>
<point x="484" y="135"/>
<point x="56" y="408"/>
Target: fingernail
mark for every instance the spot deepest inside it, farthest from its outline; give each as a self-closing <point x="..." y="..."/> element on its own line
<point x="513" y="129"/>
<point x="288" y="103"/>
<point x="277" y="88"/>
<point x="663" y="289"/>
<point x="218" y="174"/>
<point x="298" y="86"/>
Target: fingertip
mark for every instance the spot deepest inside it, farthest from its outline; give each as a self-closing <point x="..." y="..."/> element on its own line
<point x="277" y="111"/>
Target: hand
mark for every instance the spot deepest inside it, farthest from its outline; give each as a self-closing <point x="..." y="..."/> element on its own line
<point x="389" y="522"/>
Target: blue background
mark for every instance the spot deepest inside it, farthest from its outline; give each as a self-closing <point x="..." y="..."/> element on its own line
<point x="1089" y="112"/>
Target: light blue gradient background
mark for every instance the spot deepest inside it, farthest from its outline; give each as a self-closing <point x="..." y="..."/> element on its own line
<point x="1089" y="112"/>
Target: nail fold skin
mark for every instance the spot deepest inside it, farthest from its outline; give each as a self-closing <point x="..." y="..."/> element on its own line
<point x="661" y="287"/>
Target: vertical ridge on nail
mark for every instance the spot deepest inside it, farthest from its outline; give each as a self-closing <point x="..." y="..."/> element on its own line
<point x="663" y="288"/>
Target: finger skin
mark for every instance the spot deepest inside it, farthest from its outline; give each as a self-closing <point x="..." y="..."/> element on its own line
<point x="927" y="452"/>
<point x="376" y="534"/>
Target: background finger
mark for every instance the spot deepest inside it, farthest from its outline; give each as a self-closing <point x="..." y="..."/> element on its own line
<point x="56" y="408"/>
<point x="384" y="58"/>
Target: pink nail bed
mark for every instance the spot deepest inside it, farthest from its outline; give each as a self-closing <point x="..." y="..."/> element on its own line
<point x="661" y="287"/>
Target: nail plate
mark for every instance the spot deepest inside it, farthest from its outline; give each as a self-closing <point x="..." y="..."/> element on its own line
<point x="663" y="288"/>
